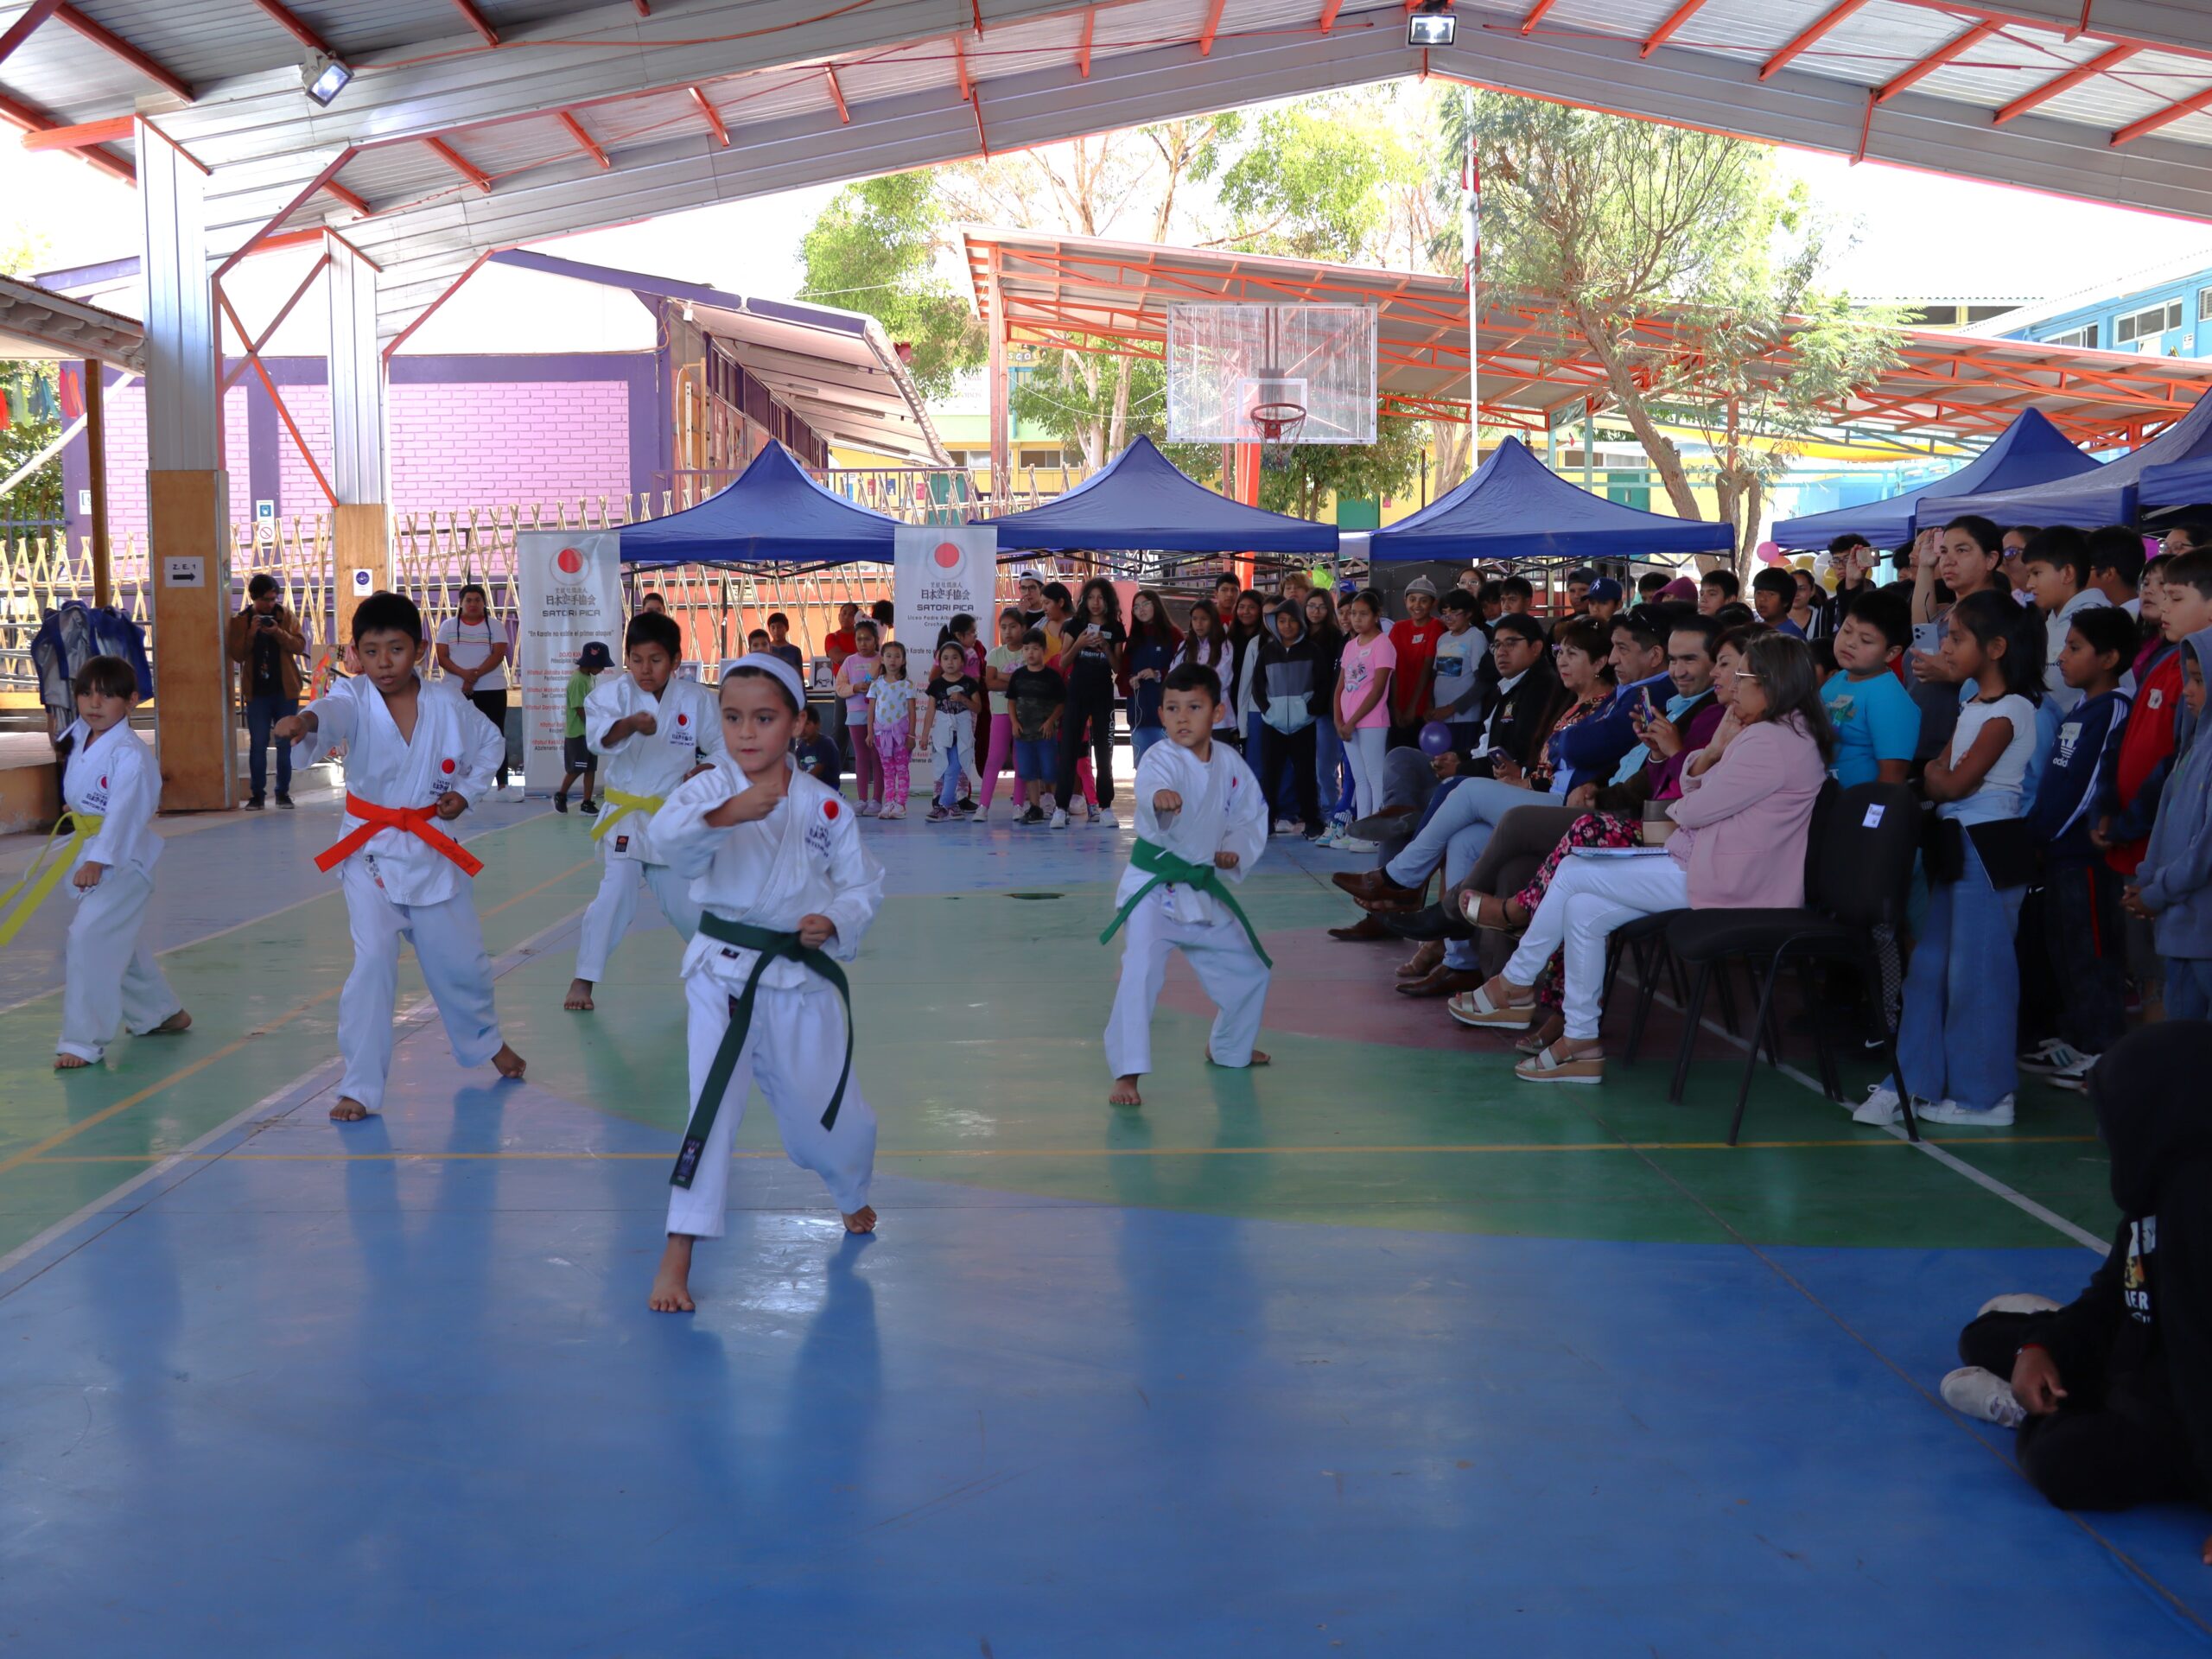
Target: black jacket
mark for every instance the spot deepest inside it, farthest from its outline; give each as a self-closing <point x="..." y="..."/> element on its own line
<point x="1521" y="724"/>
<point x="2143" y="1328"/>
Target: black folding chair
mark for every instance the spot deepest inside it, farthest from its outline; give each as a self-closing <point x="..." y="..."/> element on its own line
<point x="1858" y="871"/>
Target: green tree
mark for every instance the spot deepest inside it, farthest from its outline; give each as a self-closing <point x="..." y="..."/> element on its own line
<point x="874" y="250"/>
<point x="1679" y="262"/>
<point x="1306" y="476"/>
<point x="33" y="386"/>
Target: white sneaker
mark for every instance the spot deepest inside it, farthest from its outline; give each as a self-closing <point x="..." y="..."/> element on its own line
<point x="1059" y="819"/>
<point x="2051" y="1055"/>
<point x="2075" y="1078"/>
<point x="1984" y="1396"/>
<point x="870" y="809"/>
<point x="1285" y="827"/>
<point x="1354" y="844"/>
<point x="1882" y="1105"/>
<point x="1106" y="820"/>
<point x="1999" y="1116"/>
<point x="2018" y="1301"/>
<point x="1327" y="837"/>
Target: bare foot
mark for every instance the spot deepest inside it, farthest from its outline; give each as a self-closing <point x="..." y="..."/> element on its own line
<point x="70" y="1063"/>
<point x="862" y="1220"/>
<point x="1258" y="1058"/>
<point x="348" y="1110"/>
<point x="671" y="1291"/>
<point x="508" y="1062"/>
<point x="178" y="1021"/>
<point x="579" y="997"/>
<point x="1125" y="1093"/>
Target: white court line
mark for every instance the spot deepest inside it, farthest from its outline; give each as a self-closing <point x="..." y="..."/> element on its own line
<point x="265" y="916"/>
<point x="1988" y="1183"/>
<point x="413" y="1018"/>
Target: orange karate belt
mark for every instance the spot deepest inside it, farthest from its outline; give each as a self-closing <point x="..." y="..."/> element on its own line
<point x="408" y="820"/>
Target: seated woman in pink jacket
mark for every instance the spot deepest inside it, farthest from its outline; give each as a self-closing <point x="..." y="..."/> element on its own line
<point x="1739" y="843"/>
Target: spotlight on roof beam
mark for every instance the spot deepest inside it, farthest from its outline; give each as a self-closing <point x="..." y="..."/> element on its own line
<point x="1431" y="24"/>
<point x="322" y="78"/>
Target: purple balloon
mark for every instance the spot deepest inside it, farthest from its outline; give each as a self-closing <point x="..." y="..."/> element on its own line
<point x="1435" y="737"/>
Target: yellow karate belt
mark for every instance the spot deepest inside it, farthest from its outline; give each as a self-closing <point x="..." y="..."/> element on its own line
<point x="38" y="880"/>
<point x="622" y="801"/>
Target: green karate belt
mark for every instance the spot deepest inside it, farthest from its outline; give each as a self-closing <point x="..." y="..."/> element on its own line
<point x="773" y="947"/>
<point x="1164" y="867"/>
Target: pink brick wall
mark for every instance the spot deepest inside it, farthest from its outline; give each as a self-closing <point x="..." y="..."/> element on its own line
<point x="454" y="446"/>
<point x="465" y="445"/>
<point x="126" y="457"/>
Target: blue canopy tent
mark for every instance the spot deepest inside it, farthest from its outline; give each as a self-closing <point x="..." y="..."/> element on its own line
<point x="2176" y="486"/>
<point x="1139" y="502"/>
<point x="2031" y="451"/>
<point x="1515" y="507"/>
<point x="775" y="513"/>
<point x="2113" y="494"/>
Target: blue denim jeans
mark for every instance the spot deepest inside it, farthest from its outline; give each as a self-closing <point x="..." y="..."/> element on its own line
<point x="1330" y="772"/>
<point x="2188" y="988"/>
<point x="1142" y="738"/>
<point x="1962" y="994"/>
<point x="948" y="789"/>
<point x="261" y="714"/>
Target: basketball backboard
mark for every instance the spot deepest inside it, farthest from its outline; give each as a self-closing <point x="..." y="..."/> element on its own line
<point x="1271" y="373"/>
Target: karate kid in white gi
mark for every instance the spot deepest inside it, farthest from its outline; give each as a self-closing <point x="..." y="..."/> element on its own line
<point x="1201" y="820"/>
<point x="415" y="755"/>
<point x="111" y="785"/>
<point x="785" y="891"/>
<point x="652" y="727"/>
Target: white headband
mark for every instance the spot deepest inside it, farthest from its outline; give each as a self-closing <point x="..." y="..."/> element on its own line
<point x="783" y="672"/>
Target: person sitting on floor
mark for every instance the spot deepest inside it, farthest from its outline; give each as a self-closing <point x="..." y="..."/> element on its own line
<point x="2112" y="1394"/>
<point x="1739" y="843"/>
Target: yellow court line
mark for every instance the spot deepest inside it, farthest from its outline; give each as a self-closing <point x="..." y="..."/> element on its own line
<point x="516" y="1156"/>
<point x="230" y="1048"/>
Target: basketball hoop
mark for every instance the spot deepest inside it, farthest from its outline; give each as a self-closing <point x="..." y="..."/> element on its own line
<point x="1278" y="425"/>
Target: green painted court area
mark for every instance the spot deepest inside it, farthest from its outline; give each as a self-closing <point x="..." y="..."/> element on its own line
<point x="978" y="1015"/>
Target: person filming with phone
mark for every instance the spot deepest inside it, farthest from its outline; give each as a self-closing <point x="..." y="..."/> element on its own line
<point x="266" y="642"/>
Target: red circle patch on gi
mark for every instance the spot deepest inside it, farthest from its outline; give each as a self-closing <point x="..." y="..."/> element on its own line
<point x="684" y="719"/>
<point x="445" y="766"/>
<point x="103" y="783"/>
<point x="829" y="809"/>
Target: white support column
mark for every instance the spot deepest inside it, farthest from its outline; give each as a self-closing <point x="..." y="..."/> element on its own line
<point x="361" y="542"/>
<point x="188" y="493"/>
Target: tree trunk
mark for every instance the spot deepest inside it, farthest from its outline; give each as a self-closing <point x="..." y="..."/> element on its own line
<point x="1117" y="438"/>
<point x="1753" y="505"/>
<point x="1455" y="450"/>
<point x="1666" y="460"/>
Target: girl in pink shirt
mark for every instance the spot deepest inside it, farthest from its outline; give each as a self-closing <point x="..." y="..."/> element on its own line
<point x="853" y="675"/>
<point x="1364" y="698"/>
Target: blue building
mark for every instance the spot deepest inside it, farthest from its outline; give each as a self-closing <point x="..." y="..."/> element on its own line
<point x="2163" y="310"/>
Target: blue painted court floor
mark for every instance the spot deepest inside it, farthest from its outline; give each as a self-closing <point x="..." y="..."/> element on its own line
<point x="278" y="1388"/>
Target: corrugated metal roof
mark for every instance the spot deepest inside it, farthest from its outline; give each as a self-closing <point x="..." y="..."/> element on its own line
<point x="835" y="369"/>
<point x="1946" y="384"/>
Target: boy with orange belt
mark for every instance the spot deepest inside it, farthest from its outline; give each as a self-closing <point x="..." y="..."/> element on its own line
<point x="416" y="756"/>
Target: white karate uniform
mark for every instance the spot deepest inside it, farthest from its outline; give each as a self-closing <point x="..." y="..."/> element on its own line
<point x="803" y="859"/>
<point x="1223" y="810"/>
<point x="687" y="720"/>
<point x="112" y="980"/>
<point x="397" y="887"/>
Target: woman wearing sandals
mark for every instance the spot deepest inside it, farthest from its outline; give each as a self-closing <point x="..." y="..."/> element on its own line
<point x="1522" y="831"/>
<point x="1739" y="843"/>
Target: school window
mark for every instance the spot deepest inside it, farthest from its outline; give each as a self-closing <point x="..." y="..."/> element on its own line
<point x="2143" y="325"/>
<point x="2204" y="304"/>
<point x="2085" y="337"/>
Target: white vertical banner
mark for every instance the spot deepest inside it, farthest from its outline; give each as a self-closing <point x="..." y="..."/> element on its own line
<point x="939" y="571"/>
<point x="569" y="591"/>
